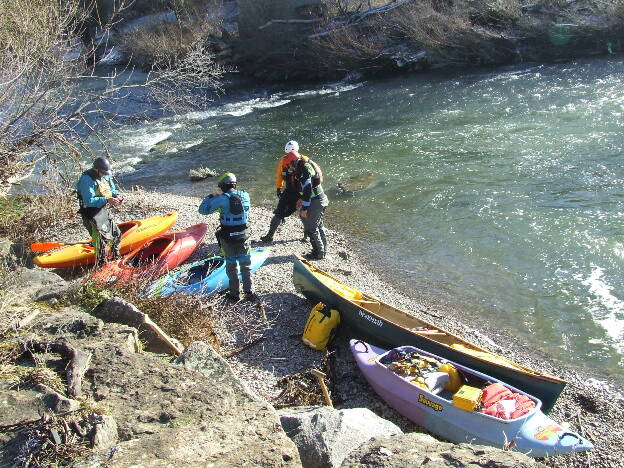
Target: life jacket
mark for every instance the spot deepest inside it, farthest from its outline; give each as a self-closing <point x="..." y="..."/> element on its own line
<point x="237" y="214"/>
<point x="317" y="178"/>
<point x="523" y="405"/>
<point x="103" y="189"/>
<point x="287" y="178"/>
<point x="501" y="402"/>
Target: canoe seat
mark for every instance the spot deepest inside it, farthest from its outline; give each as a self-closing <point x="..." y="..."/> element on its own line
<point x="372" y="306"/>
<point x="428" y="332"/>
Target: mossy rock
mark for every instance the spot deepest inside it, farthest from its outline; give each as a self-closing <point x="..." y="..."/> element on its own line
<point x="201" y="173"/>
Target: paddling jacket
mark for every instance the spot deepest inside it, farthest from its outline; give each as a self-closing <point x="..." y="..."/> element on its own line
<point x="93" y="192"/>
<point x="223" y="205"/>
<point x="308" y="177"/>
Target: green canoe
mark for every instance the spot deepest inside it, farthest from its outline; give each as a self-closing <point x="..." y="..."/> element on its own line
<point x="384" y="325"/>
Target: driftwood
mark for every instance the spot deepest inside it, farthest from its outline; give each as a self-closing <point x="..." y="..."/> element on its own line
<point x="76" y="367"/>
<point x="119" y="311"/>
<point x="321" y="380"/>
<point x="289" y="21"/>
<point x="25" y="321"/>
<point x="359" y="17"/>
<point x="148" y="322"/>
<point x="236" y="351"/>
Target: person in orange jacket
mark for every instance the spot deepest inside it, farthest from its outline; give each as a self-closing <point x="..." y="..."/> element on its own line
<point x="285" y="189"/>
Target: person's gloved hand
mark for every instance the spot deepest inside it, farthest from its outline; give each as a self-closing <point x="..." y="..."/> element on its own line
<point x="278" y="192"/>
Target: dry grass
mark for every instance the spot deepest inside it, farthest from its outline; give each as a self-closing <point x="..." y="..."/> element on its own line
<point x="28" y="377"/>
<point x="185" y="317"/>
<point x="426" y="27"/>
<point x="26" y="218"/>
<point x="495" y="13"/>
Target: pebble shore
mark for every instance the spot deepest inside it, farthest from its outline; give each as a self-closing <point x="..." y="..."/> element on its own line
<point x="591" y="404"/>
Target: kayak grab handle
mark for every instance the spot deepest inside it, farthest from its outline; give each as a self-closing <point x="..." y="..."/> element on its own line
<point x="571" y="434"/>
<point x="361" y="342"/>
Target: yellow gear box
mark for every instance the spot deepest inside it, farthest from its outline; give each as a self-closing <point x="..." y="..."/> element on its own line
<point x="467" y="398"/>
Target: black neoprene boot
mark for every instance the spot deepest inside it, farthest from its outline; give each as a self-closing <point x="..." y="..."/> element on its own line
<point x="275" y="223"/>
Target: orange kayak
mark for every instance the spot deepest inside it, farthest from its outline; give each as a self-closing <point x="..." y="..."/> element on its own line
<point x="156" y="257"/>
<point x="133" y="235"/>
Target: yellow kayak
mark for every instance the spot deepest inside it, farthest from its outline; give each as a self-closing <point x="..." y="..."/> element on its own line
<point x="133" y="235"/>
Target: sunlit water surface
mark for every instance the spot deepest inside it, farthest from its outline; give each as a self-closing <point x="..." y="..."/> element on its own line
<point x="501" y="191"/>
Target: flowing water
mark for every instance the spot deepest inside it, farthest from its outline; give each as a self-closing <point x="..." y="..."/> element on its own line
<point x="498" y="190"/>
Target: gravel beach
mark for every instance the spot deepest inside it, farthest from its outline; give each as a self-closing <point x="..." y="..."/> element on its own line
<point x="591" y="404"/>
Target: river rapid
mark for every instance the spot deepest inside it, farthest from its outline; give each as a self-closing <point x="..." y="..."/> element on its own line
<point x="499" y="191"/>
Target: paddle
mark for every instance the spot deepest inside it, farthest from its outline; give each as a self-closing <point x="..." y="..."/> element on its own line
<point x="43" y="246"/>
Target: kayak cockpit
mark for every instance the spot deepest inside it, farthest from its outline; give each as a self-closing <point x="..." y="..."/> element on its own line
<point x="199" y="273"/>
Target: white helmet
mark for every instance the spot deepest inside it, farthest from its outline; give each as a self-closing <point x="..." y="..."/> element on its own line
<point x="292" y="145"/>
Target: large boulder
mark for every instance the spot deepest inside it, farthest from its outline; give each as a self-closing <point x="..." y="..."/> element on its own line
<point x="325" y="436"/>
<point x="167" y="415"/>
<point x="38" y="284"/>
<point x="417" y="449"/>
<point x="147" y="411"/>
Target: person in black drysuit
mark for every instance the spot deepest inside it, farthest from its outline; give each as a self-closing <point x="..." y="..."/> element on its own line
<point x="285" y="189"/>
<point x="96" y="192"/>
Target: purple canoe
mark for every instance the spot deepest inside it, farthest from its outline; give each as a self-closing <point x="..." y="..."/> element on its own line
<point x="534" y="433"/>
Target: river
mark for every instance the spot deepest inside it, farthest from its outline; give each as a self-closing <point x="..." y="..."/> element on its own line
<point x="500" y="191"/>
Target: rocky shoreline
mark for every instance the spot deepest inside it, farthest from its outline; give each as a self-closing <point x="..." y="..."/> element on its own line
<point x="267" y="348"/>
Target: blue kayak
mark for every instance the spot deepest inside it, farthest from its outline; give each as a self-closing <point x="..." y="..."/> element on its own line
<point x="205" y="276"/>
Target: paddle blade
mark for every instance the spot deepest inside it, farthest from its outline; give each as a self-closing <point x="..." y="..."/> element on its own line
<point x="43" y="246"/>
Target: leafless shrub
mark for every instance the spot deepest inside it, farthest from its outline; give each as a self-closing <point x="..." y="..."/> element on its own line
<point x="24" y="218"/>
<point x="187" y="318"/>
<point x="240" y="324"/>
<point x="45" y="114"/>
<point x="350" y="46"/>
<point x="186" y="81"/>
<point x="35" y="61"/>
<point x="163" y="45"/>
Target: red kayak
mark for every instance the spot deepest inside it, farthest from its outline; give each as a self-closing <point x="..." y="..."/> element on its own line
<point x="155" y="258"/>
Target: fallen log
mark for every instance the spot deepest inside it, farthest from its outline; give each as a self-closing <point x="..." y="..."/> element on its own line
<point x="76" y="367"/>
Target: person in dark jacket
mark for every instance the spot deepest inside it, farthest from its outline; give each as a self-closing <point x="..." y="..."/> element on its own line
<point x="96" y="193"/>
<point x="233" y="233"/>
<point x="311" y="205"/>
<point x="285" y="190"/>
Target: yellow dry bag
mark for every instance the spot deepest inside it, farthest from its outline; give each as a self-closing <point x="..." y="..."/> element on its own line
<point x="320" y="327"/>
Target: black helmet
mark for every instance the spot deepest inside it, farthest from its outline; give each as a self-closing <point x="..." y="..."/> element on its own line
<point x="102" y="164"/>
<point x="227" y="181"/>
